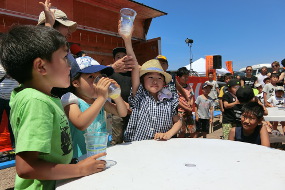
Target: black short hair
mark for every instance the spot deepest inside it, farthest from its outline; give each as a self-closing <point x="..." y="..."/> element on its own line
<point x="210" y="73"/>
<point x="253" y="108"/>
<point x="274" y="75"/>
<point x="22" y="44"/>
<point x="182" y="71"/>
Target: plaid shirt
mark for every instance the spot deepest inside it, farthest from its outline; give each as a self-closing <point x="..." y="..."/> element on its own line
<point x="149" y="116"/>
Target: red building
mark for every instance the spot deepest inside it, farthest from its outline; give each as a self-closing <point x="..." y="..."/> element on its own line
<point x="97" y="31"/>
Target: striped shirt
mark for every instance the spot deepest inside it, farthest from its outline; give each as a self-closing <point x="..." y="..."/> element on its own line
<point x="7" y="85"/>
<point x="149" y="116"/>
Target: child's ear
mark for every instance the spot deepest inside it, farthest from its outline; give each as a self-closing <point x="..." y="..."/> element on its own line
<point x="39" y="66"/>
<point x="75" y="83"/>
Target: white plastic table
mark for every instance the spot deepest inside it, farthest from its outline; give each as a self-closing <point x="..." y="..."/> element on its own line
<point x="194" y="164"/>
<point x="275" y="114"/>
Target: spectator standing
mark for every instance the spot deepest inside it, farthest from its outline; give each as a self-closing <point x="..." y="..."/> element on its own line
<point x="248" y="79"/>
<point x="123" y="78"/>
<point x="251" y="130"/>
<point x="215" y="87"/>
<point x="204" y="111"/>
<point x="184" y="109"/>
<point x="281" y="74"/>
<point x="224" y="90"/>
<point x="262" y="75"/>
<point x="231" y="109"/>
<point x="277" y="100"/>
<point x="269" y="89"/>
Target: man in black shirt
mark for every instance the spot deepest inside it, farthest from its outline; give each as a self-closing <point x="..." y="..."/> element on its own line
<point x="248" y="79"/>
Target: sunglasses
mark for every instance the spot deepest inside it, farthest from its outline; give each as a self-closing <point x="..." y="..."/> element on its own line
<point x="249" y="70"/>
<point x="275" y="65"/>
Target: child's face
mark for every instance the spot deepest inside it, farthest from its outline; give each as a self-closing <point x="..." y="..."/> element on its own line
<point x="233" y="89"/>
<point x="260" y="89"/>
<point x="279" y="93"/>
<point x="164" y="64"/>
<point x="206" y="90"/>
<point x="227" y="80"/>
<point x="211" y="76"/>
<point x="119" y="55"/>
<point x="85" y="85"/>
<point x="153" y="82"/>
<point x="267" y="81"/>
<point x="59" y="69"/>
<point x="183" y="79"/>
<point x="274" y="80"/>
<point x="249" y="121"/>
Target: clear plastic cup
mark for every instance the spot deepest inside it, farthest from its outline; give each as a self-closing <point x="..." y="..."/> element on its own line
<point x="127" y="19"/>
<point x="96" y="143"/>
<point x="113" y="91"/>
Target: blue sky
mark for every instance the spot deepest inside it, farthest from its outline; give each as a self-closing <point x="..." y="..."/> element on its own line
<point x="247" y="32"/>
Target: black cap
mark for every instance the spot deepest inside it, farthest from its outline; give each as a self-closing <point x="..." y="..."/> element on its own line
<point x="245" y="94"/>
<point x="117" y="50"/>
<point x="233" y="82"/>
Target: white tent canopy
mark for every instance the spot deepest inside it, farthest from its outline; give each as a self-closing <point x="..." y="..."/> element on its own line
<point x="200" y="67"/>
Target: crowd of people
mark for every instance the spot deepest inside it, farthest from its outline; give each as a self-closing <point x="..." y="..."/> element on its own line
<point x="57" y="101"/>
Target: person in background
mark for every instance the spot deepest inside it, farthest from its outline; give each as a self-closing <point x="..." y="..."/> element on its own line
<point x="262" y="75"/>
<point x="204" y="111"/>
<point x="184" y="109"/>
<point x="215" y="87"/>
<point x="76" y="50"/>
<point x="269" y="89"/>
<point x="85" y="104"/>
<point x="248" y="79"/>
<point x="277" y="100"/>
<point x="7" y="85"/>
<point x="231" y="109"/>
<point x="124" y="79"/>
<point x="224" y="90"/>
<point x="260" y="95"/>
<point x="174" y="85"/>
<point x="36" y="58"/>
<point x="251" y="129"/>
<point x="280" y="73"/>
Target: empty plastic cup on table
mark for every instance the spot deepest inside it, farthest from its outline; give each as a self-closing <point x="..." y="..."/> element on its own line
<point x="127" y="19"/>
<point x="96" y="143"/>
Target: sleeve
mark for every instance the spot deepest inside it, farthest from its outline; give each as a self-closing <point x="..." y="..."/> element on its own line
<point x="35" y="126"/>
<point x="197" y="100"/>
<point x="134" y="101"/>
<point x="270" y="100"/>
<point x="69" y="98"/>
<point x="265" y="89"/>
<point x="221" y="93"/>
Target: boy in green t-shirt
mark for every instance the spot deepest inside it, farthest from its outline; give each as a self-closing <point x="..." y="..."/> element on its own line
<point x="36" y="57"/>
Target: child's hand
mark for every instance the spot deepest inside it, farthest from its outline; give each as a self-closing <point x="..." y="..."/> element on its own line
<point x="162" y="136"/>
<point x="125" y="36"/>
<point x="49" y="14"/>
<point x="91" y="165"/>
<point x="101" y="87"/>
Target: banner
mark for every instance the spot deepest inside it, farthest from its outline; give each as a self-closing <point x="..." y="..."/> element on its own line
<point x="229" y="66"/>
<point x="209" y="66"/>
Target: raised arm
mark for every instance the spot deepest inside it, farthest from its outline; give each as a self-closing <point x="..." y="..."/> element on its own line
<point x="130" y="52"/>
<point x="49" y="13"/>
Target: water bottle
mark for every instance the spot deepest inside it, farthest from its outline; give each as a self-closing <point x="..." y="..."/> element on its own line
<point x="113" y="91"/>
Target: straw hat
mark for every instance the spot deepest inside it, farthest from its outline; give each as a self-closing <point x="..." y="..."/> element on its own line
<point x="61" y="17"/>
<point x="154" y="66"/>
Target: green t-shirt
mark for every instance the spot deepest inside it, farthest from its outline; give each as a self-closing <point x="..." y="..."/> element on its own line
<point x="40" y="124"/>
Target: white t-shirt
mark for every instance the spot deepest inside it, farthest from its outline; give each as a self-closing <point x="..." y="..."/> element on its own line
<point x="276" y="102"/>
<point x="260" y="97"/>
<point x="213" y="94"/>
<point x="260" y="79"/>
